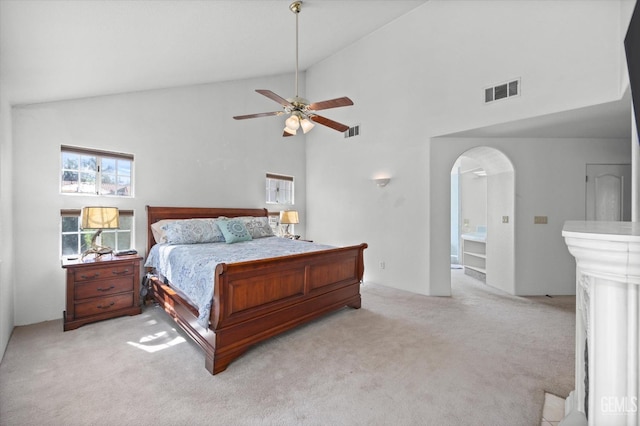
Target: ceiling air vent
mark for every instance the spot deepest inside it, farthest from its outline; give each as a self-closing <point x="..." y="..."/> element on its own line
<point x="353" y="131"/>
<point x="505" y="90"/>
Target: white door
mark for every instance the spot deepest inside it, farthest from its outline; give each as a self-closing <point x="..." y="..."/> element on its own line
<point x="608" y="192"/>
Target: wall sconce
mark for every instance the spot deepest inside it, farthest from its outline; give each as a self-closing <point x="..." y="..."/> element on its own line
<point x="382" y="182"/>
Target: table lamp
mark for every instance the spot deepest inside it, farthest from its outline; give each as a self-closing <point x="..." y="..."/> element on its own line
<point x="99" y="218"/>
<point x="288" y="217"/>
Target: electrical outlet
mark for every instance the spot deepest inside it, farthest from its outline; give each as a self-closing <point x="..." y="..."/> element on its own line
<point x="505" y="219"/>
<point x="540" y="220"/>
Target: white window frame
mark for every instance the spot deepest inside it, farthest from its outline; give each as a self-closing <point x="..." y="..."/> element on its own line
<point x="97" y="189"/>
<point x="279" y="189"/>
<point x="87" y="234"/>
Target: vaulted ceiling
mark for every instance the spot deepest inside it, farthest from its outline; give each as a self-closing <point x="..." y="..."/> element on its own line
<point x="67" y="49"/>
<point x="62" y="49"/>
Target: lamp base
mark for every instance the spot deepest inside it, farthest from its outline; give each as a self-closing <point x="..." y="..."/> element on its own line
<point x="96" y="249"/>
<point x="99" y="251"/>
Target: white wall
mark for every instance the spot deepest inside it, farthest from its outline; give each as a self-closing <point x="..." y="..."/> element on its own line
<point x="423" y="75"/>
<point x="188" y="152"/>
<point x="6" y="226"/>
<point x="501" y="236"/>
<point x="473" y="197"/>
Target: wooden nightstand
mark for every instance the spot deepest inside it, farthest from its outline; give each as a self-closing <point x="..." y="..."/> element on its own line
<point x="101" y="289"/>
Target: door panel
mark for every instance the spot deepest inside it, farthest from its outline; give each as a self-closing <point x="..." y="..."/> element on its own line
<point x="608" y="192"/>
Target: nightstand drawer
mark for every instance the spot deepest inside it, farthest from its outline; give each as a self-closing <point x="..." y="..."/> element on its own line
<point x="103" y="287"/>
<point x="104" y="304"/>
<point x="86" y="274"/>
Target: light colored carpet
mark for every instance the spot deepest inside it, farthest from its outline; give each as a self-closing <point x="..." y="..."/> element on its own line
<point x="479" y="357"/>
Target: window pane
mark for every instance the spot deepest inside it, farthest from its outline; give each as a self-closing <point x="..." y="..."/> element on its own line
<point x="85" y="241"/>
<point x="69" y="224"/>
<point x="108" y="165"/>
<point x="88" y="163"/>
<point x="87" y="183"/>
<point x="69" y="244"/>
<point x="69" y="181"/>
<point x="126" y="222"/>
<point x="108" y="184"/>
<point x="108" y="179"/>
<point x="108" y="239"/>
<point x="124" y="240"/>
<point x="69" y="161"/>
<point x="124" y="190"/>
<point x="124" y="167"/>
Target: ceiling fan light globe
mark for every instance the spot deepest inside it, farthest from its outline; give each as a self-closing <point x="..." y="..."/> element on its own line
<point x="293" y="122"/>
<point x="290" y="131"/>
<point x="306" y="125"/>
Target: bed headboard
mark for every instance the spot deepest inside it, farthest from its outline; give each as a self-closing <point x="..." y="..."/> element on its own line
<point x="155" y="214"/>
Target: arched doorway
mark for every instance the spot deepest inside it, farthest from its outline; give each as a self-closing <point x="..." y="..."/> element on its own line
<point x="482" y="219"/>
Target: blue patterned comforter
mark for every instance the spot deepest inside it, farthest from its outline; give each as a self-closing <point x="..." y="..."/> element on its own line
<point x="191" y="267"/>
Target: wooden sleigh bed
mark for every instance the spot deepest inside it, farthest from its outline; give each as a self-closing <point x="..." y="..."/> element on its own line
<point x="255" y="300"/>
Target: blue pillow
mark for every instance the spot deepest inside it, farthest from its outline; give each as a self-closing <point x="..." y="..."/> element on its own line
<point x="234" y="231"/>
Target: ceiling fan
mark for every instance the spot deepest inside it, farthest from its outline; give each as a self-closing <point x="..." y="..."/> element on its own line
<point x="302" y="113"/>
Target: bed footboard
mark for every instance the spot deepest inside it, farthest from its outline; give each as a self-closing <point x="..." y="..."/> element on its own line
<point x="256" y="300"/>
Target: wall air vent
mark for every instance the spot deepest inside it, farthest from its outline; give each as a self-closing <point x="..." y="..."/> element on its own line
<point x="500" y="91"/>
<point x="353" y="131"/>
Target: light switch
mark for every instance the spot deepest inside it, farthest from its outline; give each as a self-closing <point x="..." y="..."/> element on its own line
<point x="540" y="220"/>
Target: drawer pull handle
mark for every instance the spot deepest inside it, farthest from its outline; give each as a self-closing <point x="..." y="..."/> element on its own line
<point x="106" y="289"/>
<point x="86" y="277"/>
<point x="126" y="271"/>
<point x="106" y="307"/>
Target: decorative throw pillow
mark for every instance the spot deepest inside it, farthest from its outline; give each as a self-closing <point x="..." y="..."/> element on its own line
<point x="192" y="231"/>
<point x="258" y="227"/>
<point x="233" y="230"/>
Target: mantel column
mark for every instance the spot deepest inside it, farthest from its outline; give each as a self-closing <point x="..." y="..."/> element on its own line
<point x="607" y="322"/>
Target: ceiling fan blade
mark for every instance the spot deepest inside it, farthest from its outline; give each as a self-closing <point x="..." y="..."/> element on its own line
<point x="331" y="103"/>
<point x="285" y="134"/>
<point x="262" y="114"/>
<point x="329" y="123"/>
<point x="269" y="94"/>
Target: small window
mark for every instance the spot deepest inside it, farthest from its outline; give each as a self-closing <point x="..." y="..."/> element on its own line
<point x="88" y="171"/>
<point x="75" y="241"/>
<point x="279" y="189"/>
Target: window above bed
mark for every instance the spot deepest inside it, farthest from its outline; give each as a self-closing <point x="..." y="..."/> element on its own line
<point x="89" y="171"/>
<point x="279" y="189"/>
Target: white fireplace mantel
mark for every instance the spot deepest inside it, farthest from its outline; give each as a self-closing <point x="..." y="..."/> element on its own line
<point x="607" y="322"/>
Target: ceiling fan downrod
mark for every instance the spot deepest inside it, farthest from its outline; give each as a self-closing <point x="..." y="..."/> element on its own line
<point x="295" y="7"/>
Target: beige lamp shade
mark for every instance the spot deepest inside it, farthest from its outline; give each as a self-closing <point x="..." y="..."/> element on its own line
<point x="100" y="218"/>
<point x="289" y="217"/>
